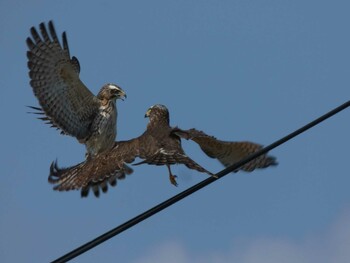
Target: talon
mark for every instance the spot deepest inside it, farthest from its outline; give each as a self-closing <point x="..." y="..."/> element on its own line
<point x="172" y="179"/>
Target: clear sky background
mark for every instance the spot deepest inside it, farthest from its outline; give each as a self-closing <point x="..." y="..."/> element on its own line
<point x="239" y="70"/>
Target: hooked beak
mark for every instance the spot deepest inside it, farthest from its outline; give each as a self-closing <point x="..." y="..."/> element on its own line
<point x="147" y="113"/>
<point x="122" y="95"/>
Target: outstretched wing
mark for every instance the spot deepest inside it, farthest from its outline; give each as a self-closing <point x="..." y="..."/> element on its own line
<point x="228" y="153"/>
<point x="96" y="172"/>
<point x="66" y="101"/>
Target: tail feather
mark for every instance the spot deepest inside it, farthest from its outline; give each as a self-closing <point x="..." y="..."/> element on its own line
<point x="84" y="176"/>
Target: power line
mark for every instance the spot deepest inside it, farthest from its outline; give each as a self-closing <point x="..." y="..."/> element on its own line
<point x="121" y="228"/>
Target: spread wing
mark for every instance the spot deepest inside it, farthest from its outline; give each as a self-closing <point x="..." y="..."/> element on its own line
<point x="228" y="153"/>
<point x="96" y="172"/>
<point x="67" y="103"/>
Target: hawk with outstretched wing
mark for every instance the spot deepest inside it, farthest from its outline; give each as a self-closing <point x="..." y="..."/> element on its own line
<point x="158" y="145"/>
<point x="64" y="99"/>
<point x="226" y="152"/>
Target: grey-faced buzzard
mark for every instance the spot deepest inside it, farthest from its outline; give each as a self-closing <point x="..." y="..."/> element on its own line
<point x="65" y="101"/>
<point x="158" y="145"/>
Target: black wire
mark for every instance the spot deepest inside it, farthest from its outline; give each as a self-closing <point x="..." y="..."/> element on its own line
<point x="76" y="252"/>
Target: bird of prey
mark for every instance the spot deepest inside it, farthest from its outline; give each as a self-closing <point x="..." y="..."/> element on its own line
<point x="158" y="145"/>
<point x="227" y="152"/>
<point x="66" y="103"/>
<point x="169" y="150"/>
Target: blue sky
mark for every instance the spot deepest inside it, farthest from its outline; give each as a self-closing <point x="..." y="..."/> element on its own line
<point x="239" y="70"/>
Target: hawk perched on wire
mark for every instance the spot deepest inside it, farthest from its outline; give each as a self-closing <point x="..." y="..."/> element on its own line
<point x="65" y="101"/>
<point x="228" y="153"/>
<point x="158" y="145"/>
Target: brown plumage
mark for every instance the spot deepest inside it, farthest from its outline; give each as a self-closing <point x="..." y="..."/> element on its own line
<point x="168" y="148"/>
<point x="158" y="145"/>
<point x="98" y="171"/>
<point x="226" y="152"/>
<point x="66" y="103"/>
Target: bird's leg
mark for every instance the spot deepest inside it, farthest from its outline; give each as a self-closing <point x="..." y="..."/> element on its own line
<point x="172" y="177"/>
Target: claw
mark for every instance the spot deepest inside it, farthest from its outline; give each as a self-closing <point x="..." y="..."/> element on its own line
<point x="215" y="176"/>
<point x="172" y="177"/>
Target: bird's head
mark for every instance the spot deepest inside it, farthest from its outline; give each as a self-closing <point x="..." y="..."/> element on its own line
<point x="157" y="112"/>
<point x="111" y="92"/>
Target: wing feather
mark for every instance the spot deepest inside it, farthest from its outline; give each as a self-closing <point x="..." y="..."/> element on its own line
<point x="167" y="151"/>
<point x="226" y="152"/>
<point x="66" y="101"/>
<point x="96" y="172"/>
